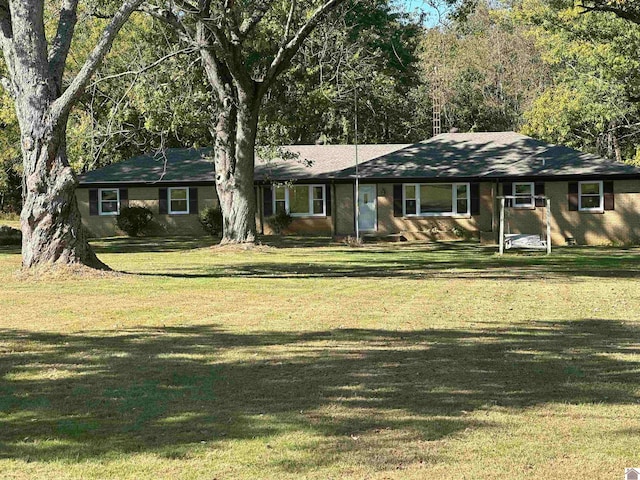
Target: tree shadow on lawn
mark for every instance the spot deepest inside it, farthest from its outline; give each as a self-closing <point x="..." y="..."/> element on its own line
<point x="165" y="390"/>
<point x="413" y="260"/>
<point x="419" y="261"/>
<point x="150" y="244"/>
<point x="398" y="260"/>
<point x="182" y="243"/>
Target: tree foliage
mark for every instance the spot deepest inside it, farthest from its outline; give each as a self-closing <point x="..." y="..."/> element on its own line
<point x="561" y="70"/>
<point x="592" y="102"/>
<point x="486" y="69"/>
<point x="148" y="96"/>
<point x="369" y="51"/>
<point x="10" y="161"/>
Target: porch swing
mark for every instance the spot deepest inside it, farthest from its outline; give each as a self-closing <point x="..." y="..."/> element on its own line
<point x="525" y="241"/>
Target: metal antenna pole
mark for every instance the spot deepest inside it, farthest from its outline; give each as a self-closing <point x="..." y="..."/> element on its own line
<point x="437" y="103"/>
<point x="501" y="248"/>
<point x="547" y="214"/>
<point x="357" y="171"/>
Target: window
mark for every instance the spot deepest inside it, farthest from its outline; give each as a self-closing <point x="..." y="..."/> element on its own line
<point x="318" y="207"/>
<point x="108" y="201"/>
<point x="178" y="201"/>
<point x="523" y="193"/>
<point x="300" y="200"/>
<point x="280" y="200"/>
<point x="590" y="197"/>
<point x="410" y="203"/>
<point x="436" y="199"/>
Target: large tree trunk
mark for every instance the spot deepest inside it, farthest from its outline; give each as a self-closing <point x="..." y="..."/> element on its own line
<point x="52" y="231"/>
<point x="51" y="225"/>
<point x="235" y="139"/>
<point x="220" y="35"/>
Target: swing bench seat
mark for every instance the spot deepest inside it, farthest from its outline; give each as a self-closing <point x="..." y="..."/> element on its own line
<point x="525" y="241"/>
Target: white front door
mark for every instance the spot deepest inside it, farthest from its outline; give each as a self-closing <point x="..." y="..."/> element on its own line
<point x="367" y="203"/>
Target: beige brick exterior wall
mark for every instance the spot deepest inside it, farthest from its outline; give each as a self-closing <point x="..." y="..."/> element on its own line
<point x="436" y="228"/>
<point x="306" y="226"/>
<point x="432" y="227"/>
<point x="320" y="226"/>
<point x="619" y="226"/>
<point x="105" y="225"/>
<point x="344" y="205"/>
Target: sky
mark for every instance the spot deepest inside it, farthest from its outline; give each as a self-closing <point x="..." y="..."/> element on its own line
<point x="429" y="7"/>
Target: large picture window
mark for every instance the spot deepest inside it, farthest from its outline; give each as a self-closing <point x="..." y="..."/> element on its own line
<point x="178" y="201"/>
<point x="300" y="200"/>
<point x="108" y="201"/>
<point x="590" y="196"/>
<point x="436" y="199"/>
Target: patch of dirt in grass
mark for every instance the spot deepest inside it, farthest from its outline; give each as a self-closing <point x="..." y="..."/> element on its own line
<point x="243" y="247"/>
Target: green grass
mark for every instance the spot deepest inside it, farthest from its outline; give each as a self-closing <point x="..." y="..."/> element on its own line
<point x="310" y="360"/>
<point x="10" y="219"/>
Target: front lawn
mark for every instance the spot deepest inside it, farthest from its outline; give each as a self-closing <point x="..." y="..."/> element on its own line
<point x="11" y="220"/>
<point x="399" y="361"/>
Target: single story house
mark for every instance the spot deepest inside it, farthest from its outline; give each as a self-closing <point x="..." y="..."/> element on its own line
<point x="443" y="188"/>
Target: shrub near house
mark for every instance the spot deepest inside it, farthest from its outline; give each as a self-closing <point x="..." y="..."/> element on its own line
<point x="211" y="220"/>
<point x="134" y="220"/>
<point x="10" y="236"/>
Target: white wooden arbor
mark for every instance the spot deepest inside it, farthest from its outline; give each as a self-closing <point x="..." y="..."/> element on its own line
<point x="526" y="241"/>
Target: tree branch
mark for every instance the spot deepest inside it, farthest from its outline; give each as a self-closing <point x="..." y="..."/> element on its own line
<point x="258" y="14"/>
<point x="227" y="52"/>
<point x="290" y="47"/>
<point x="145" y="68"/>
<point x="63" y="104"/>
<point x="292" y="10"/>
<point x="7" y="85"/>
<point x="207" y="35"/>
<point x="168" y="18"/>
<point x="62" y="41"/>
<point x="6" y="34"/>
<point x="235" y="38"/>
<point x="219" y="77"/>
<point x="633" y="14"/>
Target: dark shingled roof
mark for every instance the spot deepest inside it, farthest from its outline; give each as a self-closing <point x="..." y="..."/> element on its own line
<point x="450" y="155"/>
<point x="488" y="155"/>
<point x="315" y="162"/>
<point x="177" y="165"/>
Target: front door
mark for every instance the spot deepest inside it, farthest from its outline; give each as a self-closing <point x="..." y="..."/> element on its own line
<point x="367" y="204"/>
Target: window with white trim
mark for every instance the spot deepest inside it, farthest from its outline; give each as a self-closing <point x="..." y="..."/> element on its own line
<point x="280" y="200"/>
<point x="590" y="196"/>
<point x="109" y="201"/>
<point x="437" y="199"/>
<point x="178" y="200"/>
<point x="523" y="193"/>
<point x="300" y="200"/>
